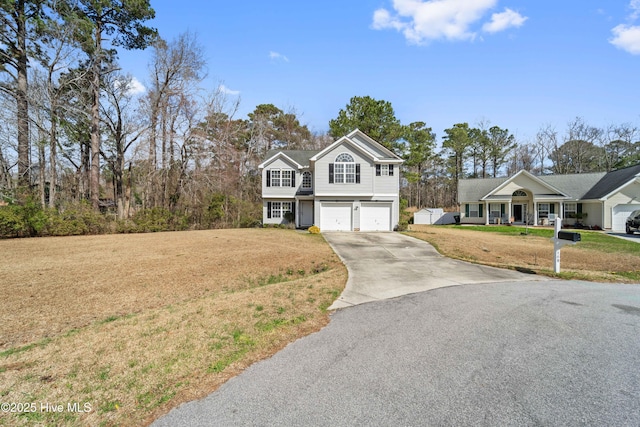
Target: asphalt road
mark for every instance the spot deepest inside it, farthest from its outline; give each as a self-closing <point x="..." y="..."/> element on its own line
<point x="540" y="353"/>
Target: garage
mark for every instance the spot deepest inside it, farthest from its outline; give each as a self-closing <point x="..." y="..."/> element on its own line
<point x="335" y="216"/>
<point x="620" y="215"/>
<point x="375" y="217"/>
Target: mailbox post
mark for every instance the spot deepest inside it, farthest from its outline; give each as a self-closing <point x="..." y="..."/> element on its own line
<point x="561" y="238"/>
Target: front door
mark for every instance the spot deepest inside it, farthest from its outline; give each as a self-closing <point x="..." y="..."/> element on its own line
<point x="519" y="212"/>
<point x="306" y="213"/>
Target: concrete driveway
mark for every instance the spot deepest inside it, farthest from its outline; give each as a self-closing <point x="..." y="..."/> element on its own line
<point x="388" y="265"/>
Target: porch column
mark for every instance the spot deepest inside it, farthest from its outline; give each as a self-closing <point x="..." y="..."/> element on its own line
<point x="535" y="213"/>
<point x="297" y="216"/>
<point x="509" y="213"/>
<point x="486" y="212"/>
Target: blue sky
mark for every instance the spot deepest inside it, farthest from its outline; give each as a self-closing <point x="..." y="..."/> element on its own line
<point x="517" y="64"/>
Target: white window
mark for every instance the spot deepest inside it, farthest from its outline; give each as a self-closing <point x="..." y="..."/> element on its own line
<point x="474" y="210"/>
<point x="344" y="169"/>
<point x="495" y="210"/>
<point x="543" y="210"/>
<point x="278" y="209"/>
<point x="280" y="178"/>
<point x="306" y="180"/>
<point x="570" y="210"/>
<point x="275" y="178"/>
<point x="286" y="178"/>
<point x="384" y="170"/>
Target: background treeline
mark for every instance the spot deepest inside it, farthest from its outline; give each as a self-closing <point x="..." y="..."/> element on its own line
<point x="84" y="150"/>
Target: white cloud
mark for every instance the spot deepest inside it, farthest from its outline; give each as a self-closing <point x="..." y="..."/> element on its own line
<point x="135" y="87"/>
<point x="626" y="37"/>
<point x="502" y="21"/>
<point x="635" y="7"/>
<point x="422" y="21"/>
<point x="227" y="91"/>
<point x="278" y="56"/>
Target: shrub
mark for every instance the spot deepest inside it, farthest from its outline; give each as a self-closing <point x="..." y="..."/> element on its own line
<point x="314" y="229"/>
<point x="12" y="223"/>
<point x="156" y="219"/>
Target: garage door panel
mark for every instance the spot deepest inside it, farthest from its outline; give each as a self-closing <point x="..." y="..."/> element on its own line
<point x="375" y="217"/>
<point x="619" y="216"/>
<point x="335" y="217"/>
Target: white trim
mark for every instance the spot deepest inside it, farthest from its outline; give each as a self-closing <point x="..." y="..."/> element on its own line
<point x="367" y="137"/>
<point x="628" y="183"/>
<point x="279" y="154"/>
<point x="530" y="176"/>
<point x="350" y="195"/>
<point x="342" y="140"/>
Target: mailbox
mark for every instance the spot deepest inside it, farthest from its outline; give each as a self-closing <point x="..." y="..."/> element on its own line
<point x="568" y="235"/>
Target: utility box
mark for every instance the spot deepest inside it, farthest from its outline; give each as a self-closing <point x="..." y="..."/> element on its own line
<point x="569" y="235"/>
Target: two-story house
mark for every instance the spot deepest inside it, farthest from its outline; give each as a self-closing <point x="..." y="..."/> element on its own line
<point x="352" y="185"/>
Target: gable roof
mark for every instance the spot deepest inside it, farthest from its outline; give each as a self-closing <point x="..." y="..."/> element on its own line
<point x="529" y="175"/>
<point x="299" y="157"/>
<point x="611" y="182"/>
<point x="365" y="145"/>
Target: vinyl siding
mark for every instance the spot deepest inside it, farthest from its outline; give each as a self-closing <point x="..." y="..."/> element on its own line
<point x="321" y="175"/>
<point x="280" y="191"/>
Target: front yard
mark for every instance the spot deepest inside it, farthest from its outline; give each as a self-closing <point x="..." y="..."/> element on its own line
<point x="119" y="329"/>
<point x="597" y="257"/>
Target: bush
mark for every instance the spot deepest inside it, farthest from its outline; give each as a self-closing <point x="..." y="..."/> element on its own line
<point x="153" y="220"/>
<point x="314" y="229"/>
<point x="12" y="223"/>
<point x="75" y="219"/>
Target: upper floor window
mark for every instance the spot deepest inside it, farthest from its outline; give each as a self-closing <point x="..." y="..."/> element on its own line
<point x="306" y="181"/>
<point x="344" y="169"/>
<point x="384" y="170"/>
<point x="281" y="178"/>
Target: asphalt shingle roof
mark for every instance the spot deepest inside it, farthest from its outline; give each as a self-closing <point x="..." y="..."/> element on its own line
<point x="612" y="181"/>
<point x="299" y="156"/>
<point x="584" y="186"/>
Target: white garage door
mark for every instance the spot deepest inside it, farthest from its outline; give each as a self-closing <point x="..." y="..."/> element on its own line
<point x="335" y="217"/>
<point x="375" y="217"/>
<point x="620" y="215"/>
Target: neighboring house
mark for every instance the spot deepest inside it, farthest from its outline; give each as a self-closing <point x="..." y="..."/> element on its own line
<point x="352" y="185"/>
<point x="592" y="199"/>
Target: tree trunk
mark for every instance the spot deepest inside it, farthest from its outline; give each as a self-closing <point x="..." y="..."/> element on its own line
<point x="21" y="96"/>
<point x="95" y="120"/>
<point x="53" y="161"/>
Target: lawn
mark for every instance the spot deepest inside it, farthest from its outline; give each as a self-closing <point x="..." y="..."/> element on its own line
<point x="126" y="327"/>
<point x="597" y="257"/>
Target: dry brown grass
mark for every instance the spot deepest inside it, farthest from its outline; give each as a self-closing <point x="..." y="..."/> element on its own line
<point x="528" y="252"/>
<point x="136" y="324"/>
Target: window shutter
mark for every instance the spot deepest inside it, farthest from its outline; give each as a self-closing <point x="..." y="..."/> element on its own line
<point x="268" y="177"/>
<point x="466" y="210"/>
<point x="378" y="173"/>
<point x="552" y="208"/>
<point x="501" y="208"/>
<point x="293" y="178"/>
<point x="293" y="211"/>
<point x="268" y="205"/>
<point x="390" y="170"/>
<point x="357" y="173"/>
<point x="579" y="207"/>
<point x="480" y="206"/>
<point x="330" y="173"/>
